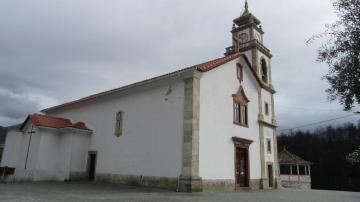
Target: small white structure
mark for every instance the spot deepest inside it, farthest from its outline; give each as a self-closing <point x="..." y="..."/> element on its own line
<point x="47" y="148"/>
<point x="295" y="172"/>
<point x="207" y="127"/>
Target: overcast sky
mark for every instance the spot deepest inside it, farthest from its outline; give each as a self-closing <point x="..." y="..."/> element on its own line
<point x="57" y="51"/>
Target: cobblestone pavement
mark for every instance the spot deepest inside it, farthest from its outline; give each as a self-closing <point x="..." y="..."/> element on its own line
<point x="71" y="192"/>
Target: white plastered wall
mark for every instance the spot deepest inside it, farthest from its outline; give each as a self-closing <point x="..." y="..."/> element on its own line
<point x="18" y="153"/>
<point x="216" y="158"/>
<point x="48" y="155"/>
<point x="151" y="142"/>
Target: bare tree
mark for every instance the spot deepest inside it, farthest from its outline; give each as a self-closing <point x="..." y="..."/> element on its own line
<point x="341" y="52"/>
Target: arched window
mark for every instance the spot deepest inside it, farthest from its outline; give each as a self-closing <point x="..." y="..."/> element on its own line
<point x="119" y="123"/>
<point x="264" y="71"/>
<point x="239" y="72"/>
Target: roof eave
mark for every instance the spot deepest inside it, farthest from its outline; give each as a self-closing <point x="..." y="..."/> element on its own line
<point x="127" y="87"/>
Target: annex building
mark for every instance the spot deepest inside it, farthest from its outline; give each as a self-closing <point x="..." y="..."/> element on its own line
<point x="211" y="126"/>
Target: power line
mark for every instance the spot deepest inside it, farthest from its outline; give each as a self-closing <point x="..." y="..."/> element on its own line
<point x="317" y="123"/>
<point x="312" y="109"/>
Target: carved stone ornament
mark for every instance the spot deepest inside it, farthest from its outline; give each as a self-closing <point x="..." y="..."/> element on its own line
<point x="240" y="97"/>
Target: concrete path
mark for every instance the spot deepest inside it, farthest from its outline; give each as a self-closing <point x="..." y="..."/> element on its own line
<point x="71" y="192"/>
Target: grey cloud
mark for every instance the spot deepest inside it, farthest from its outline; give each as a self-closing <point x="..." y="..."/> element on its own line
<point x="15" y="106"/>
<point x="56" y="51"/>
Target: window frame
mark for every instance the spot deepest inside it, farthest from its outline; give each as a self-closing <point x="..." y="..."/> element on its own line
<point x="119" y="123"/>
<point x="239" y="72"/>
<point x="240" y="108"/>
<point x="267" y="109"/>
<point x="241" y="114"/>
<point x="264" y="74"/>
<point x="269" y="146"/>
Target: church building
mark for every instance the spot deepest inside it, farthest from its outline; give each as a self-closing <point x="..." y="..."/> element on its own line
<point x="210" y="126"/>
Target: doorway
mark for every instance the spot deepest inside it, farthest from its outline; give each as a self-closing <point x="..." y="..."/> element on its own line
<point x="242" y="167"/>
<point x="271" y="175"/>
<point x="92" y="165"/>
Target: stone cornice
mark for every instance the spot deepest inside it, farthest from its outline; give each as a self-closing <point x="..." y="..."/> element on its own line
<point x="255" y="44"/>
<point x="271" y="125"/>
<point x="250" y="25"/>
<point x="268" y="88"/>
<point x="241" y="142"/>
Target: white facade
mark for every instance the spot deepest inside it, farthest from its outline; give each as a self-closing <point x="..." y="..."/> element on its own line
<point x="216" y="122"/>
<point x="152" y="130"/>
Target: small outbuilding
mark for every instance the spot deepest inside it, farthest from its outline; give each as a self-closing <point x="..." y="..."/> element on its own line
<point x="46" y="148"/>
<point x="295" y="172"/>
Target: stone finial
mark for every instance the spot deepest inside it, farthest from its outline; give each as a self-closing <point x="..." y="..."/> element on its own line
<point x="246" y="11"/>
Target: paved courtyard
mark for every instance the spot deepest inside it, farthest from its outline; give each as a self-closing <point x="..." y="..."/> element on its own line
<point x="71" y="192"/>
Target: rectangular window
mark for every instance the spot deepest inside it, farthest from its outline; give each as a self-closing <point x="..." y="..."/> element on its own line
<point x="266" y="108"/>
<point x="269" y="146"/>
<point x="240" y="114"/>
<point x="239" y="72"/>
<point x="119" y="124"/>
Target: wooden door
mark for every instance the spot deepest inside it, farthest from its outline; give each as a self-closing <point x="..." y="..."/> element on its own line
<point x="242" y="167"/>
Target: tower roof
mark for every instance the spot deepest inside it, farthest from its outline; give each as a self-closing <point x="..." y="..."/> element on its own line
<point x="246" y="17"/>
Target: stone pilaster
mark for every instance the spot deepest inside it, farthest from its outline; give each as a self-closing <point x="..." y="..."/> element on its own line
<point x="276" y="161"/>
<point x="263" y="181"/>
<point x="189" y="180"/>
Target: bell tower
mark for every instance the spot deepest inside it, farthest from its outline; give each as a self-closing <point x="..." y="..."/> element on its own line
<point x="248" y="38"/>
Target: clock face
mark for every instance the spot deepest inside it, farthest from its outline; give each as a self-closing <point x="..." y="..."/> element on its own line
<point x="243" y="37"/>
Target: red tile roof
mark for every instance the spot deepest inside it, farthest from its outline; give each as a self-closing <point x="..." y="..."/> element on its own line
<point x="203" y="67"/>
<point x="53" y="122"/>
<point x="207" y="66"/>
